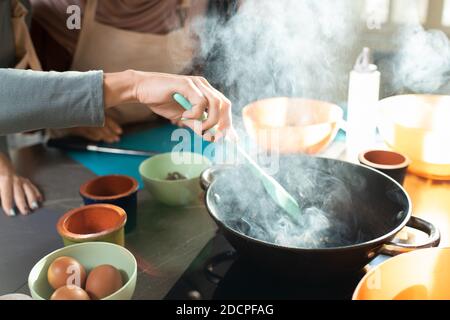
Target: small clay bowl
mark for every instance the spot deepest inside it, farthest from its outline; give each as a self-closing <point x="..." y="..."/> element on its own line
<point x="392" y="163"/>
<point x="95" y="222"/>
<point x="119" y="190"/>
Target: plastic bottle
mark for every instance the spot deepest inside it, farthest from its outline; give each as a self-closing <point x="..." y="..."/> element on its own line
<point x="363" y="94"/>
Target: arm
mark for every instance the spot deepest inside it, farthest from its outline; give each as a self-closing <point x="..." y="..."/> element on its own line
<point x="33" y="100"/>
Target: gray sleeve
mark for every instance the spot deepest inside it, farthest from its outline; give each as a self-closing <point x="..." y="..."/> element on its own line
<point x="32" y="100"/>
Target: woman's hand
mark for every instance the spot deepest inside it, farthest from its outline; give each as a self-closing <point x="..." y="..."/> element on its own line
<point x="16" y="191"/>
<point x="109" y="133"/>
<point x="156" y="91"/>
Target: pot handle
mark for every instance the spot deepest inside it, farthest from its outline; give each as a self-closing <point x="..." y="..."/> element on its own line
<point x="208" y="175"/>
<point x="434" y="237"/>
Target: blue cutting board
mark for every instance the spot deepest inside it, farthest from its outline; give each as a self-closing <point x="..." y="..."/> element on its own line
<point x="155" y="139"/>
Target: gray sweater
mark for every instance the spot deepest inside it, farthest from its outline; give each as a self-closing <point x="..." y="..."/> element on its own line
<point x="34" y="100"/>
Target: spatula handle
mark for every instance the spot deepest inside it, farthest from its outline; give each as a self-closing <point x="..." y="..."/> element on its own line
<point x="185" y="103"/>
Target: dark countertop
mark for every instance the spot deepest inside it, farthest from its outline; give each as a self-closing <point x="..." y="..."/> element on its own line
<point x="164" y="243"/>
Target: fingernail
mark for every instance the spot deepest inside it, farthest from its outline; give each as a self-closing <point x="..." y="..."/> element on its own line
<point x="186" y="114"/>
<point x="34" y="205"/>
<point x="12" y="212"/>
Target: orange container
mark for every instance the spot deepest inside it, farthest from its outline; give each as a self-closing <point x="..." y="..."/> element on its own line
<point x="292" y="125"/>
<point x="419" y="275"/>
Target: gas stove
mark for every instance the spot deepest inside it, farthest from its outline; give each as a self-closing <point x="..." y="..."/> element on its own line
<point x="219" y="273"/>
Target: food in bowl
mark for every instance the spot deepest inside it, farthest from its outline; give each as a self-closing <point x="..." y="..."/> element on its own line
<point x="174" y="192"/>
<point x="90" y="255"/>
<point x="68" y="277"/>
<point x="64" y="271"/>
<point x="175" y="176"/>
<point x="70" y="293"/>
<point x="103" y="281"/>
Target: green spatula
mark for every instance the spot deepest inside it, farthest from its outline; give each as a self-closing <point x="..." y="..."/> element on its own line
<point x="275" y="190"/>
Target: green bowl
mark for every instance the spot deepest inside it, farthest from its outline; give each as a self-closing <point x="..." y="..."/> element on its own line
<point x="90" y="255"/>
<point x="174" y="192"/>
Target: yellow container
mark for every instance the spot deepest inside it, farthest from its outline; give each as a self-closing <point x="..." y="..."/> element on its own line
<point x="419" y="126"/>
<point x="418" y="275"/>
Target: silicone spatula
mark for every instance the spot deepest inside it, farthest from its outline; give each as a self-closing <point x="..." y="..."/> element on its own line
<point x="273" y="188"/>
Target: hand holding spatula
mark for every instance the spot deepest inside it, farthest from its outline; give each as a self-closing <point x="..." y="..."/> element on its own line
<point x="275" y="190"/>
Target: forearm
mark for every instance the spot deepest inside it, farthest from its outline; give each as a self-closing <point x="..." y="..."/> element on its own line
<point x="119" y="88"/>
<point x="32" y="100"/>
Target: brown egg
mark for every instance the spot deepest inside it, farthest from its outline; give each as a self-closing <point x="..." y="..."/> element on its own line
<point x="70" y="293"/>
<point x="66" y="271"/>
<point x="103" y="281"/>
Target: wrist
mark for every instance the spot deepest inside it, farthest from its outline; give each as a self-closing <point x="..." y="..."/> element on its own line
<point x="5" y="165"/>
<point x="119" y="88"/>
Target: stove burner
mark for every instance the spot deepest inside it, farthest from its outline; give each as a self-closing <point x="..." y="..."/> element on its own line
<point x="219" y="272"/>
<point x="216" y="261"/>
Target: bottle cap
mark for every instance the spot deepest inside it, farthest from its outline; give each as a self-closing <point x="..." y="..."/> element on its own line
<point x="364" y="62"/>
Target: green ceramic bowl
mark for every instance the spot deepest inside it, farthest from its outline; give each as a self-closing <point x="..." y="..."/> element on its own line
<point x="154" y="172"/>
<point x="90" y="255"/>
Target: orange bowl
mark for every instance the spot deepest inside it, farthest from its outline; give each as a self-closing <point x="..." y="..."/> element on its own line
<point x="418" y="126"/>
<point x="417" y="275"/>
<point x="292" y="125"/>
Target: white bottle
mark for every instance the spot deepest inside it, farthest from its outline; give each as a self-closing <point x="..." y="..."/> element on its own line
<point x="363" y="94"/>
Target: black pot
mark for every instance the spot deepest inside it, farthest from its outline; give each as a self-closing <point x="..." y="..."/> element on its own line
<point x="379" y="209"/>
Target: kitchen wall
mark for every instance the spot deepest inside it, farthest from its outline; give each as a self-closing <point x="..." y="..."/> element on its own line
<point x="394" y="25"/>
<point x="384" y="17"/>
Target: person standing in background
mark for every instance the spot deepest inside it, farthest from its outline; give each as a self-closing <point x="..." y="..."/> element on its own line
<point x="32" y="100"/>
<point x="115" y="35"/>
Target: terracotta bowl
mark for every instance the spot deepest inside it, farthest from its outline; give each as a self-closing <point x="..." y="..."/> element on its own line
<point x="119" y="190"/>
<point x="292" y="125"/>
<point x="95" y="222"/>
<point x="418" y="126"/>
<point x="392" y="163"/>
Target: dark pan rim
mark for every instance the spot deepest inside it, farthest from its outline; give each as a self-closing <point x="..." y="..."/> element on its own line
<point x="374" y="242"/>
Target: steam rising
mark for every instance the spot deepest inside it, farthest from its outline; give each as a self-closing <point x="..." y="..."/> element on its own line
<point x="322" y="188"/>
<point x="282" y="48"/>
<point x="421" y="61"/>
<point x="306" y="48"/>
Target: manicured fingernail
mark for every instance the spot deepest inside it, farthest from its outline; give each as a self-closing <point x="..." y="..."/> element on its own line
<point x="34" y="205"/>
<point x="12" y="212"/>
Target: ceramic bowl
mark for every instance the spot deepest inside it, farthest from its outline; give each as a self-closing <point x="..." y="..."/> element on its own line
<point x="90" y="255"/>
<point x="417" y="126"/>
<point x="95" y="222"/>
<point x="292" y="125"/>
<point x="394" y="164"/>
<point x="119" y="190"/>
<point x="417" y="275"/>
<point x="154" y="172"/>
